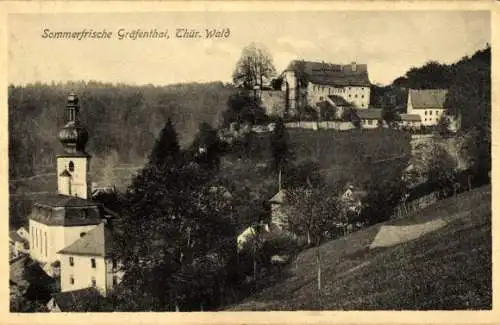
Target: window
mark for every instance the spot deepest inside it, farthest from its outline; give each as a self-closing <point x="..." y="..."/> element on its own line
<point x="321" y="98"/>
<point x="82" y="234"/>
<point x="71" y="166"/>
<point x="430" y="112"/>
<point x="437" y="112"/>
<point x="370" y="122"/>
<point x="71" y="280"/>
<point x="71" y="261"/>
<point x="83" y="215"/>
<point x="113" y="263"/>
<point x="93" y="281"/>
<point x="356" y="96"/>
<point x="362" y="96"/>
<point x="92" y="262"/>
<point x="349" y="95"/>
<point x="425" y="112"/>
<point x="115" y="280"/>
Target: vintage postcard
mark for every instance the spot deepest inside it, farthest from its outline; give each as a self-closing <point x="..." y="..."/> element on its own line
<point x="225" y="161"/>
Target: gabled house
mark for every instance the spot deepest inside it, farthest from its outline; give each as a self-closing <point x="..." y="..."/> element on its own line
<point x="428" y="103"/>
<point x="88" y="262"/>
<point x="369" y="118"/>
<point x="332" y="108"/>
<point x="412" y="121"/>
<point x="309" y="82"/>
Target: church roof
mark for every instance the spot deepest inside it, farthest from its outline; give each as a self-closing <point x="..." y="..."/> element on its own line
<point x="64" y="210"/>
<point x="97" y="242"/>
<point x="61" y="200"/>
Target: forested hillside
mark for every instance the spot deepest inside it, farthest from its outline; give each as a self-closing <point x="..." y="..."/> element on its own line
<point x="120" y="118"/>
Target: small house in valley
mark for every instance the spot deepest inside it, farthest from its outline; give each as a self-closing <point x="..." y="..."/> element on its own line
<point x="411" y="121"/>
<point x="428" y="104"/>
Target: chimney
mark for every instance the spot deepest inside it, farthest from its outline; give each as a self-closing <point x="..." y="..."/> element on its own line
<point x="353" y="65"/>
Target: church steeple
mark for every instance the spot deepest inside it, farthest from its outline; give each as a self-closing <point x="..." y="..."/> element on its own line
<point x="73" y="135"/>
<point x="73" y="165"/>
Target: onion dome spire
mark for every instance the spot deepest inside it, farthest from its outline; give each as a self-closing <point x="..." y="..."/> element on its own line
<point x="73" y="135"/>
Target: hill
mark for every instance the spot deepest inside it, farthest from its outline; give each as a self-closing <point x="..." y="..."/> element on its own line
<point x="124" y="119"/>
<point x="442" y="261"/>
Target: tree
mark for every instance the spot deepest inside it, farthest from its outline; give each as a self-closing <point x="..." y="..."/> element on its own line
<point x="166" y="149"/>
<point x="207" y="147"/>
<point x="443" y="126"/>
<point x="469" y="100"/>
<point x="312" y="213"/>
<point x="279" y="145"/>
<point x="442" y="170"/>
<point x="254" y="67"/>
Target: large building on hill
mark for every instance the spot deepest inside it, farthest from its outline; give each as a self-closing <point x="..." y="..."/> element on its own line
<point x="309" y="83"/>
<point x="67" y="226"/>
<point x="428" y="104"/>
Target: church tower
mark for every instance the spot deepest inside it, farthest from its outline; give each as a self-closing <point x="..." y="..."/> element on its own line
<point x="73" y="165"/>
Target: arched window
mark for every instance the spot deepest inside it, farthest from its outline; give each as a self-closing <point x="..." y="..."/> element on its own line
<point x="71" y="166"/>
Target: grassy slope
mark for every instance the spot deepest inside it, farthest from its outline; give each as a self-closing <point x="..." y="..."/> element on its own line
<point x="446" y="269"/>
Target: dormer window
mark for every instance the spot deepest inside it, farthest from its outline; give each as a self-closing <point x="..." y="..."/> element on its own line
<point x="71" y="166"/>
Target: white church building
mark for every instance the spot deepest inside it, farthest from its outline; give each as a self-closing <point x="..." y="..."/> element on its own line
<point x="61" y="224"/>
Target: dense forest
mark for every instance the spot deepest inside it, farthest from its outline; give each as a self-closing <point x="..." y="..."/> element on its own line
<point x="121" y="118"/>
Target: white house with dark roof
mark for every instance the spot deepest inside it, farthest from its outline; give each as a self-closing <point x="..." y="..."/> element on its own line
<point x="88" y="262"/>
<point x="411" y="121"/>
<point x="308" y="82"/>
<point x="369" y="118"/>
<point x="428" y="104"/>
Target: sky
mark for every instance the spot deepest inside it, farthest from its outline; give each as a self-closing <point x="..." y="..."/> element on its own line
<point x="389" y="42"/>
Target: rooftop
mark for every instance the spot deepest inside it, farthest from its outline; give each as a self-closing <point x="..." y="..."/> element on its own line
<point x="369" y="113"/>
<point x="331" y="74"/>
<point x="97" y="242"/>
<point x="427" y="98"/>
<point x="411" y="117"/>
<point x="60" y="200"/>
<point x="337" y="100"/>
<point x="82" y="300"/>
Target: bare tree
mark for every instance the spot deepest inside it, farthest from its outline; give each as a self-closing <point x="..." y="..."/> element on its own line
<point x="313" y="212"/>
<point x="254" y="67"/>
